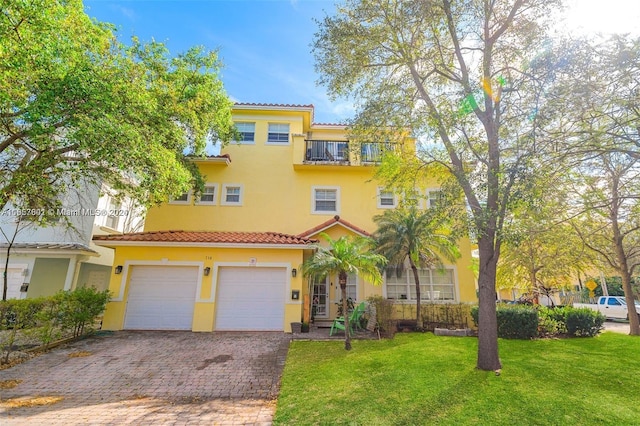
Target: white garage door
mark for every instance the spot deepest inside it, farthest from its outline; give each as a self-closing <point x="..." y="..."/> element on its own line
<point x="161" y="298"/>
<point x="250" y="298"/>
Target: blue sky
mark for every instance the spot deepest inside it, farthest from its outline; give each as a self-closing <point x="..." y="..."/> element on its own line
<point x="265" y="45"/>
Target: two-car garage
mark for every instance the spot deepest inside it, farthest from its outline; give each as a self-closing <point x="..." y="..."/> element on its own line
<point x="163" y="297"/>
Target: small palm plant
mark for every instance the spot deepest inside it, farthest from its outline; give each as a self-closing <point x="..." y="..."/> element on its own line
<point x="422" y="237"/>
<point x="344" y="256"/>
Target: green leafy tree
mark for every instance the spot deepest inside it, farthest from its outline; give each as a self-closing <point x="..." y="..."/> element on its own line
<point x="542" y="252"/>
<point x="344" y="256"/>
<point x="600" y="98"/>
<point x="610" y="224"/>
<point x="420" y="236"/>
<point x="468" y="77"/>
<point x="77" y="107"/>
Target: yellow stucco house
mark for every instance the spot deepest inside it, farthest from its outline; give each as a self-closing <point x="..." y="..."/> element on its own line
<point x="230" y="259"/>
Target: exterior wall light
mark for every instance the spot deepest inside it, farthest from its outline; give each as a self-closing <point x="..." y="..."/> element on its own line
<point x="118" y="269"/>
<point x="294" y="272"/>
<point x="207" y="271"/>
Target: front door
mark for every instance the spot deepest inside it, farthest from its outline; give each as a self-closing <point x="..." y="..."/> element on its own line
<point x="320" y="300"/>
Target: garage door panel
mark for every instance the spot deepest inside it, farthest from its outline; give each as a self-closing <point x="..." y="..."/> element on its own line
<point x="250" y="298"/>
<point x="161" y="297"/>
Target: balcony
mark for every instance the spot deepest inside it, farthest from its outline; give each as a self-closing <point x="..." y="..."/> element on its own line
<point x="372" y="152"/>
<point x="329" y="152"/>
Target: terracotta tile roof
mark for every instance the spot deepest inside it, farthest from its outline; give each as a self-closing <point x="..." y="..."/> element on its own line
<point x="240" y="104"/>
<point x="330" y="124"/>
<point x="331" y="222"/>
<point x="209" y="237"/>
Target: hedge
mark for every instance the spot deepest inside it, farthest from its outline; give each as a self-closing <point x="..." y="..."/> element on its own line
<point x="47" y="318"/>
<point x="527" y="322"/>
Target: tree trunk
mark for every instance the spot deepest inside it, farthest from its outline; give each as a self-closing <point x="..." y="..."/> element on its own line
<point x="5" y="275"/>
<point x="623" y="261"/>
<point x="634" y="321"/>
<point x="488" y="358"/>
<point x="342" y="279"/>
<point x="416" y="278"/>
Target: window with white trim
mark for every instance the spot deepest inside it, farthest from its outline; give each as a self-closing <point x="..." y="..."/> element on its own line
<point x="209" y="195"/>
<point x="386" y="199"/>
<point x="352" y="287"/>
<point x="413" y="197"/>
<point x="231" y="195"/>
<point x="184" y="198"/>
<point x="434" y="196"/>
<point x="113" y="219"/>
<point x="247" y="132"/>
<point x="435" y="284"/>
<point x="325" y="200"/>
<point x="278" y="133"/>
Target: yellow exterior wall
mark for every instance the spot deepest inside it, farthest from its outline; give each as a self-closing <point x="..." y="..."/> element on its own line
<point x="204" y="314"/>
<point x="277" y="196"/>
<point x="277" y="186"/>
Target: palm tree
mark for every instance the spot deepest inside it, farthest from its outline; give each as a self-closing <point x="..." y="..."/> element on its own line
<point x="343" y="256"/>
<point x="422" y="237"/>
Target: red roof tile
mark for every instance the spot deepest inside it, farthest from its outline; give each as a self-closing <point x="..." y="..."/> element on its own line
<point x="240" y="104"/>
<point x="209" y="237"/>
<point x="329" y="223"/>
<point x="330" y="124"/>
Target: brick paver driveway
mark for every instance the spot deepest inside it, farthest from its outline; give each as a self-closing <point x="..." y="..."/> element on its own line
<point x="161" y="378"/>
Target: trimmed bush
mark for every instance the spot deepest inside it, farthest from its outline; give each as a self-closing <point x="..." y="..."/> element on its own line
<point x="514" y="321"/>
<point x="384" y="312"/>
<point x="584" y="322"/>
<point x="552" y="321"/>
<point x="48" y="318"/>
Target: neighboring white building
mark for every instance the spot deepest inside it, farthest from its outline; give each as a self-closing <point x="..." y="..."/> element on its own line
<point x="44" y="260"/>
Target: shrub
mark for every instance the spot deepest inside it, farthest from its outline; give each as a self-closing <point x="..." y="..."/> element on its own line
<point x="384" y="311"/>
<point x="514" y="321"/>
<point x="17" y="314"/>
<point x="46" y="318"/>
<point x="584" y="322"/>
<point x="81" y="307"/>
<point x="552" y="321"/>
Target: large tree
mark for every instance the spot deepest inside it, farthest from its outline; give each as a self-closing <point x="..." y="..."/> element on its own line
<point x="78" y="106"/>
<point x="610" y="225"/>
<point x="468" y="74"/>
<point x="344" y="256"/>
<point x="420" y="236"/>
<point x="600" y="102"/>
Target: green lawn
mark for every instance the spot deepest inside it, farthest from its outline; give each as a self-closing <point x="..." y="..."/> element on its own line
<point x="422" y="379"/>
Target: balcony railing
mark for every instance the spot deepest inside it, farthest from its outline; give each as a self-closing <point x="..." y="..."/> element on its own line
<point x="327" y="151"/>
<point x="372" y="152"/>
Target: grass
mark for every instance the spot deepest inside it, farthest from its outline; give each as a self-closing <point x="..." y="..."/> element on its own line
<point x="422" y="379"/>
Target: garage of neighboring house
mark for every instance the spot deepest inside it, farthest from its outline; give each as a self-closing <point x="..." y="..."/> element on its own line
<point x="250" y="298"/>
<point x="15" y="279"/>
<point x="161" y="297"/>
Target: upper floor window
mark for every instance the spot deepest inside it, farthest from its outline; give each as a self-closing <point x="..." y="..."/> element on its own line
<point x="247" y="132"/>
<point x="278" y="133"/>
<point x="184" y="198"/>
<point x="113" y="218"/>
<point x="325" y="200"/>
<point x="209" y="194"/>
<point x="434" y="197"/>
<point x="231" y="194"/>
<point x="386" y="199"/>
